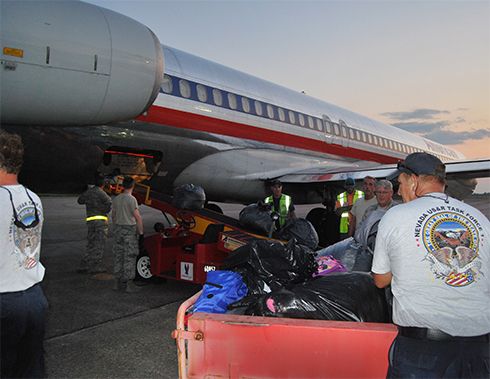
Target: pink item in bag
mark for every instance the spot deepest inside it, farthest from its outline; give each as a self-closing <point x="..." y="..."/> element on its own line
<point x="328" y="264"/>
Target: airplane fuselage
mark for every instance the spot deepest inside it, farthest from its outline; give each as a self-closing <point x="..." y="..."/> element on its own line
<point x="209" y="125"/>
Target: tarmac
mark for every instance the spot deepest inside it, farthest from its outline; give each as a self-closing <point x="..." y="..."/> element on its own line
<point x="93" y="331"/>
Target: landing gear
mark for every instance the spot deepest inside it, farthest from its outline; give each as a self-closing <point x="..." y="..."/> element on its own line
<point x="326" y="224"/>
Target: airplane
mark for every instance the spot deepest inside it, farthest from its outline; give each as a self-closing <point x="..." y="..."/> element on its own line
<point x="90" y="90"/>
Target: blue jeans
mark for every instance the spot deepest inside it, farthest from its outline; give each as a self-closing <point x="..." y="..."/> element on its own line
<point x="23" y="326"/>
<point x="417" y="358"/>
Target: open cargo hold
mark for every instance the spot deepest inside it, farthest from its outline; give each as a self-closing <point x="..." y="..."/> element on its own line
<point x="235" y="346"/>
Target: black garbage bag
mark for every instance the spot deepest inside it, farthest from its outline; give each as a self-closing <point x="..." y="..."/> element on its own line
<point x="256" y="217"/>
<point x="266" y="265"/>
<point x="302" y="230"/>
<point x="342" y="296"/>
<point x="189" y="196"/>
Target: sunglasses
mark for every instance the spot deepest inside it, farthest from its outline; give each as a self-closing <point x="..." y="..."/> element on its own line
<point x="19" y="223"/>
<point x="402" y="167"/>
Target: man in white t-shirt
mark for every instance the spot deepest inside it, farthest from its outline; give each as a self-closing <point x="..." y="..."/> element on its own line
<point x="435" y="252"/>
<point x="22" y="300"/>
<point x="361" y="204"/>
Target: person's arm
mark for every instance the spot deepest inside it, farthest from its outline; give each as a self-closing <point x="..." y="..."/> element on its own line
<point x="352" y="225"/>
<point x="382" y="280"/>
<point x="139" y="221"/>
<point x="81" y="200"/>
<point x="291" y="210"/>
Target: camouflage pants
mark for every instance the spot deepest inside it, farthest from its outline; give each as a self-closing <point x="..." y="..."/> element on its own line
<point x="125" y="251"/>
<point x="96" y="237"/>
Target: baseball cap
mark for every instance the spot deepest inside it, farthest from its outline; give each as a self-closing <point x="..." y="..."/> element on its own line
<point x="349" y="183"/>
<point x="419" y="164"/>
<point x="276" y="182"/>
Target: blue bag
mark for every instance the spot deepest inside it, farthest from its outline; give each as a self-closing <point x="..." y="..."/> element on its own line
<point x="221" y="288"/>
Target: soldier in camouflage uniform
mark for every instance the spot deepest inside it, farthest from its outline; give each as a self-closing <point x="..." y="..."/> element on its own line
<point x="128" y="225"/>
<point x="98" y="204"/>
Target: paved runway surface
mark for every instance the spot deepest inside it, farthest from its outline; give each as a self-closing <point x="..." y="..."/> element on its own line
<point x="91" y="330"/>
<point x="95" y="332"/>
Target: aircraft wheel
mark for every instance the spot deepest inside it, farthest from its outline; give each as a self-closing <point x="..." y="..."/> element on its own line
<point x="143" y="272"/>
<point x="317" y="218"/>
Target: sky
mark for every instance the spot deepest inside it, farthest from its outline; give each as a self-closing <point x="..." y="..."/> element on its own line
<point x="423" y="66"/>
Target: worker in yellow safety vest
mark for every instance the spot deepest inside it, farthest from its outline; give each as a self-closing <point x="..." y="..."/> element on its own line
<point x="344" y="204"/>
<point x="282" y="204"/>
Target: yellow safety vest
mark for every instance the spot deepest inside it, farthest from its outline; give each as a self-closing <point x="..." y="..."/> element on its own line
<point x="284" y="203"/>
<point x="344" y="218"/>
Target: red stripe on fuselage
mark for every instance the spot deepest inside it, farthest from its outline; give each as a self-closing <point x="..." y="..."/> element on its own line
<point x="191" y="121"/>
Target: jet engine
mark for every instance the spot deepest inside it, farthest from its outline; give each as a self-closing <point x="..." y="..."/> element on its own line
<point x="73" y="63"/>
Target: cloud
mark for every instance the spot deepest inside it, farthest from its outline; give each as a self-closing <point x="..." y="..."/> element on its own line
<point x="428" y="125"/>
<point x="421" y="128"/>
<point x="421" y="114"/>
<point x="447" y="137"/>
<point x="436" y="131"/>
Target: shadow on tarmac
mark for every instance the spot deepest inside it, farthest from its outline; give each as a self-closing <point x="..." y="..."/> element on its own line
<point x="91" y="330"/>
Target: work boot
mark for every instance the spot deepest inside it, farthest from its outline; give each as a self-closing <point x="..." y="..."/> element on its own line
<point x="118" y="285"/>
<point x="131" y="287"/>
<point x="83" y="267"/>
<point x="97" y="268"/>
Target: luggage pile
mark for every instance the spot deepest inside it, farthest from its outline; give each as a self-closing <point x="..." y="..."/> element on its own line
<point x="275" y="279"/>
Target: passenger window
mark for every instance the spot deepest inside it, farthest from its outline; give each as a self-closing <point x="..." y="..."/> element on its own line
<point x="370" y="139"/>
<point x="232" y="101"/>
<point x="358" y="135"/>
<point x="364" y="139"/>
<point x="329" y="127"/>
<point x="311" y="123"/>
<point x="301" y="119"/>
<point x="319" y="125"/>
<point x="351" y="133"/>
<point x="336" y="129"/>
<point x="292" y="117"/>
<point x="201" y="93"/>
<point x="375" y="140"/>
<point x="344" y="132"/>
<point x="282" y="115"/>
<point x="217" y="97"/>
<point x="167" y="85"/>
<point x="258" y="108"/>
<point x="246" y="104"/>
<point x="185" y="89"/>
<point x="270" y="111"/>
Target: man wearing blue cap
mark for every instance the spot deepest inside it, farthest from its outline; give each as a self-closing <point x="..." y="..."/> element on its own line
<point x="435" y="252"/>
<point x="344" y="204"/>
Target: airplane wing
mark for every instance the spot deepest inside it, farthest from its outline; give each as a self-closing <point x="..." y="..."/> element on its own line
<point x="455" y="170"/>
<point x="461" y="176"/>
